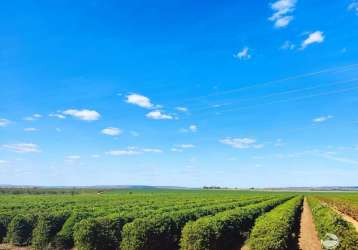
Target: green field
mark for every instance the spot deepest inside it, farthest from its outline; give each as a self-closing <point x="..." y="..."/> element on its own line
<point x="143" y="219"/>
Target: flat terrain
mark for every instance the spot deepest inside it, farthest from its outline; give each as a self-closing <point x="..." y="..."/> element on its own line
<point x="308" y="239"/>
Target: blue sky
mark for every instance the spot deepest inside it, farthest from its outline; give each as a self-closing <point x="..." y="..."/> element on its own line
<point x="187" y="93"/>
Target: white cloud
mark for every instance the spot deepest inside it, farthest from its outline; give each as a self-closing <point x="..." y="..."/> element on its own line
<point x="182" y="109"/>
<point x="158" y="115"/>
<point x="126" y="152"/>
<point x="193" y="128"/>
<point x="288" y="45"/>
<point x="152" y="150"/>
<point x="30" y="129"/>
<point x="84" y="114"/>
<point x="353" y="7"/>
<point x="282" y="15"/>
<point x="241" y="143"/>
<point x="279" y="143"/>
<point x="95" y="156"/>
<point x="23" y="148"/>
<point x="4" y="122"/>
<point x="57" y="115"/>
<point x="139" y="100"/>
<point x="323" y="118"/>
<point x="111" y="131"/>
<point x="33" y="117"/>
<point x="176" y="150"/>
<point x="185" y="146"/>
<point x="3" y="162"/>
<point x="73" y="157"/>
<point x="314" y="37"/>
<point x="243" y="54"/>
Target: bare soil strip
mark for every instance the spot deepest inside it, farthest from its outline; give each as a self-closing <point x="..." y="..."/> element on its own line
<point x="308" y="239"/>
<point x="11" y="247"/>
<point x="347" y="218"/>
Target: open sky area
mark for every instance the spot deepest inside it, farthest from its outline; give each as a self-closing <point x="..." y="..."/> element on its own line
<point x="185" y="93"/>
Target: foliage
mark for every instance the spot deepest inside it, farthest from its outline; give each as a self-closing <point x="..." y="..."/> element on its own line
<point x="328" y="221"/>
<point x="277" y="229"/>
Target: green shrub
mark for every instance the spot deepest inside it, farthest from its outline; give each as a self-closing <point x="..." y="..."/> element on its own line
<point x="64" y="238"/>
<point x="20" y="230"/>
<point x="5" y="220"/>
<point x="277" y="229"/>
<point x="99" y="234"/>
<point x="328" y="221"/>
<point x="224" y="230"/>
<point x="46" y="228"/>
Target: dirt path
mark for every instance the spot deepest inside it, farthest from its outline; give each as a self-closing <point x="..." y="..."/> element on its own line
<point x="308" y="239"/>
<point x="10" y="247"/>
<point x="347" y="218"/>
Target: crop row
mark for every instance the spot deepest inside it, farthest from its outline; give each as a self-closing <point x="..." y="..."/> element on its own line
<point x="277" y="229"/>
<point x="345" y="206"/>
<point x="328" y="222"/>
<point x="224" y="230"/>
<point x="56" y="229"/>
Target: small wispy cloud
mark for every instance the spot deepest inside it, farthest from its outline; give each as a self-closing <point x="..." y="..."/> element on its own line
<point x="83" y="114"/>
<point x="22" y="147"/>
<point x="243" y="54"/>
<point x="181" y="147"/>
<point x="73" y="157"/>
<point x="353" y="7"/>
<point x="288" y="45"/>
<point x="159" y="115"/>
<point x="323" y="118"/>
<point x="111" y="131"/>
<point x="283" y="10"/>
<point x="30" y="129"/>
<point x="241" y="143"/>
<point x="57" y="115"/>
<point x="124" y="152"/>
<point x="139" y="100"/>
<point x="192" y="128"/>
<point x="33" y="117"/>
<point x="4" y="122"/>
<point x="314" y="37"/>
<point x="134" y="133"/>
<point x="3" y="162"/>
<point x="152" y="150"/>
<point x="182" y="109"/>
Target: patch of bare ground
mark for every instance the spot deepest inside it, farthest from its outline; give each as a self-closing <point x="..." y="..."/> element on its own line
<point x="308" y="239"/>
<point x="347" y="218"/>
<point x="11" y="247"/>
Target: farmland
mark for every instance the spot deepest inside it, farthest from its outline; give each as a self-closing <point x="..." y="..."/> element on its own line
<point x="152" y="219"/>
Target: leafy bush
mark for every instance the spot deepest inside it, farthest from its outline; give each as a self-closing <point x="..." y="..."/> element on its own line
<point x="328" y="221"/>
<point x="20" y="230"/>
<point x="46" y="229"/>
<point x="99" y="234"/>
<point x="5" y="220"/>
<point x="277" y="230"/>
<point x="223" y="230"/>
<point x="64" y="238"/>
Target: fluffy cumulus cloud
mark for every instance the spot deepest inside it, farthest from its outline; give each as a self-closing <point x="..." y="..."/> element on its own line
<point x="112" y="131"/>
<point x="323" y="118"/>
<point x="243" y="54"/>
<point x="314" y="37"/>
<point x="283" y="10"/>
<point x="4" y="122"/>
<point x="241" y="143"/>
<point x="139" y="100"/>
<point x="83" y="114"/>
<point x="353" y="7"/>
<point x="23" y="148"/>
<point x="159" y="115"/>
